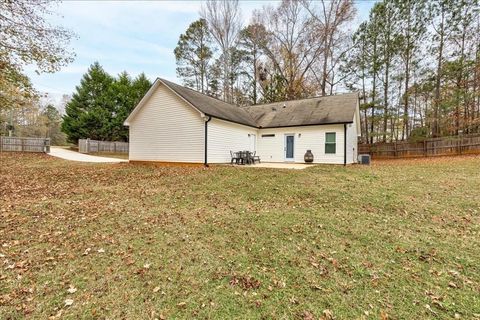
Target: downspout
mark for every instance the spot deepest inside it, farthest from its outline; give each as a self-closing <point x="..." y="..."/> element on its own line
<point x="344" y="144"/>
<point x="206" y="140"/>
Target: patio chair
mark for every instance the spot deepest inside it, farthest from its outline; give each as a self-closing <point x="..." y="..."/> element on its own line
<point x="235" y="157"/>
<point x="248" y="157"/>
<point x="242" y="157"/>
<point x="255" y="157"/>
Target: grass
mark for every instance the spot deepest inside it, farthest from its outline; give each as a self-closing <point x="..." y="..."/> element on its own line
<point x="396" y="240"/>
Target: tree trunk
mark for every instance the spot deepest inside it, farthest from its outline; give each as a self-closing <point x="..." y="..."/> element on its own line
<point x="374" y="84"/>
<point x="436" y="107"/>
<point x="405" y="132"/>
<point x="365" y="102"/>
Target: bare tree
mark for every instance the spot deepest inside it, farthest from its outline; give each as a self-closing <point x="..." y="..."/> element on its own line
<point x="332" y="17"/>
<point x="294" y="46"/>
<point x="224" y="21"/>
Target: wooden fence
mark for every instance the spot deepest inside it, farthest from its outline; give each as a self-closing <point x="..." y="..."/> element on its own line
<point x="94" y="146"/>
<point x="427" y="148"/>
<point x="23" y="144"/>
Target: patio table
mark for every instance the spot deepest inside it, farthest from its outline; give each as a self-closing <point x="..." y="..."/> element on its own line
<point x="245" y="157"/>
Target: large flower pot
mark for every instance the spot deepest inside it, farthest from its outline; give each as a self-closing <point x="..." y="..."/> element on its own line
<point x="308" y="157"/>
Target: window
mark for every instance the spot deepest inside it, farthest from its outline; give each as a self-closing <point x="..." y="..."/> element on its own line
<point x="330" y="142"/>
<point x="267" y="135"/>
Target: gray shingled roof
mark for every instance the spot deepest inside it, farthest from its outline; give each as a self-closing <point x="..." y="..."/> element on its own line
<point x="320" y="110"/>
<point x="211" y="106"/>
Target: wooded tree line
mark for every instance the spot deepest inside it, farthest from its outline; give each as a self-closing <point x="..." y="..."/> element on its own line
<point x="416" y="63"/>
<point x="34" y="120"/>
<point x="417" y="66"/>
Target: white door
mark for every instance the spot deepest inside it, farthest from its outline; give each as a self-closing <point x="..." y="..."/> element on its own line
<point x="253" y="143"/>
<point x="289" y="147"/>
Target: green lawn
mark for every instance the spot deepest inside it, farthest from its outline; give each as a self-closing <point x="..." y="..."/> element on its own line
<point x="396" y="240"/>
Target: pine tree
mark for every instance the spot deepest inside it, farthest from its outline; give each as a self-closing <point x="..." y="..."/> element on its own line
<point x="412" y="31"/>
<point x="193" y="56"/>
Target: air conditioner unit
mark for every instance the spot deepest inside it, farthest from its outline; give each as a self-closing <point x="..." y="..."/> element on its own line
<point x="364" y="159"/>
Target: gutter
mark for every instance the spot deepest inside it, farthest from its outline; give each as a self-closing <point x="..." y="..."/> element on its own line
<point x="206" y="140"/>
<point x="344" y="144"/>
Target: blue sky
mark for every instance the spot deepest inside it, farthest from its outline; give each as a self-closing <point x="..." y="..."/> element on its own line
<point x="135" y="36"/>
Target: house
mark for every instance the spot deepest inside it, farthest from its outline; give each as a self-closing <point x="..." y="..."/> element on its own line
<point x="175" y="124"/>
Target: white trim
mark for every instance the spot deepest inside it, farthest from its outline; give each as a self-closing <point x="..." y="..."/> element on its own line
<point x="357" y="117"/>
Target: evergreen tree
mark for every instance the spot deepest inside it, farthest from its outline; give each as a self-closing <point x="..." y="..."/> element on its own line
<point x="89" y="111"/>
<point x="101" y="104"/>
<point x="127" y="93"/>
<point x="124" y="100"/>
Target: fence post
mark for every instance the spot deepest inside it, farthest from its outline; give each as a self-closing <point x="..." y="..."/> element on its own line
<point x="87" y="145"/>
<point x="47" y="145"/>
<point x="23" y="144"/>
<point x="425" y="148"/>
<point x="395" y="149"/>
<point x="460" y="144"/>
<point x="1" y="144"/>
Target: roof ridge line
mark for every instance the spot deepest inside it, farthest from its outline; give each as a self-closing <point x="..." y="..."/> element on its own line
<point x="285" y="101"/>
<point x="233" y="105"/>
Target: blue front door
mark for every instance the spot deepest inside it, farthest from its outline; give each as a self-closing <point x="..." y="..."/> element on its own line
<point x="289" y="146"/>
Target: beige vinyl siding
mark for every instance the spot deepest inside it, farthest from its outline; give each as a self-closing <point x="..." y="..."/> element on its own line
<point x="167" y="129"/>
<point x="271" y="149"/>
<point x="224" y="136"/>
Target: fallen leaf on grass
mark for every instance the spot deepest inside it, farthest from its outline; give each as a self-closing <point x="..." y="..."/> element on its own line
<point x="68" y="302"/>
<point x="427" y="306"/>
<point x="156" y="289"/>
<point x="72" y="289"/>
<point x="327" y="315"/>
<point x="383" y="315"/>
<point x="246" y="282"/>
<point x="307" y="315"/>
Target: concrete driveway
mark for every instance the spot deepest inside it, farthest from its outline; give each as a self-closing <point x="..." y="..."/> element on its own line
<point x="76" y="156"/>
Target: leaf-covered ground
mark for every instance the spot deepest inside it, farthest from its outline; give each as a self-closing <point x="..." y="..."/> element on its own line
<point x="396" y="240"/>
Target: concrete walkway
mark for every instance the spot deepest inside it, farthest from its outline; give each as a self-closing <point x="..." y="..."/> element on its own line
<point x="76" y="156"/>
